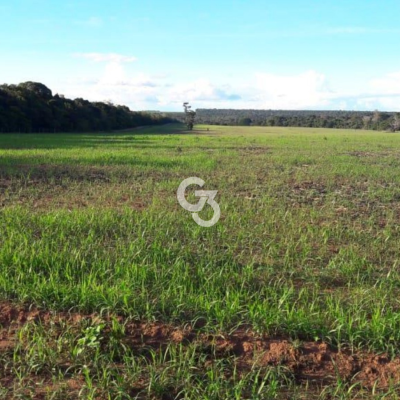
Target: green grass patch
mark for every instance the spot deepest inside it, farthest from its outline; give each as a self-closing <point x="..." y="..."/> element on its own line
<point x="307" y="246"/>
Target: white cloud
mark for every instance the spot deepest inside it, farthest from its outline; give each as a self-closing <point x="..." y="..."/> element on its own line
<point x="115" y="84"/>
<point x="306" y="90"/>
<point x="142" y="91"/>
<point x="201" y="90"/>
<point x="389" y="84"/>
<point x="106" y="57"/>
<point x="382" y="93"/>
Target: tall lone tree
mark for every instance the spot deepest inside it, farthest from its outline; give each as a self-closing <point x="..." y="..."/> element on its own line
<point x="395" y="122"/>
<point x="190" y="115"/>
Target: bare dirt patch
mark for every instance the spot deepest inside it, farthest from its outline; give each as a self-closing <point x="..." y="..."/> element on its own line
<point x="360" y="154"/>
<point x="306" y="192"/>
<point x="363" y="154"/>
<point x="253" y="150"/>
<point x="312" y="362"/>
<point x="311" y="186"/>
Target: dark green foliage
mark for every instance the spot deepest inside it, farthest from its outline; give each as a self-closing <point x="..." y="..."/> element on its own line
<point x="190" y="115"/>
<point x="31" y="107"/>
<point x="245" y="121"/>
<point x="373" y="120"/>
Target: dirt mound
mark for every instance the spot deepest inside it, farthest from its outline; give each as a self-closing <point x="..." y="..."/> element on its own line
<point x="314" y="362"/>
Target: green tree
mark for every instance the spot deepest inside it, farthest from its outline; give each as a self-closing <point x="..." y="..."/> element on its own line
<point x="245" y="121"/>
<point x="190" y="116"/>
<point x="31" y="107"/>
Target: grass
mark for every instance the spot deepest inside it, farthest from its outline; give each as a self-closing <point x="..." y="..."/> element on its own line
<point x="306" y="249"/>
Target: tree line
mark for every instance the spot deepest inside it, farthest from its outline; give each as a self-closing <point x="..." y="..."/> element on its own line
<point x="31" y="107"/>
<point x="374" y="120"/>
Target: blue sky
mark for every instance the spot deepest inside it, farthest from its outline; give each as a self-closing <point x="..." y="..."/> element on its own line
<point x="156" y="54"/>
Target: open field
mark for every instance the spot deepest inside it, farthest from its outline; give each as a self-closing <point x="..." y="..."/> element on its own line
<point x="109" y="290"/>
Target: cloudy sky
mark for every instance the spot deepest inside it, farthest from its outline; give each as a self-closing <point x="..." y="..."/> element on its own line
<point x="155" y="54"/>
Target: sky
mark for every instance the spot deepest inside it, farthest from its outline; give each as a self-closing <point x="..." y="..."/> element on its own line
<point x="253" y="54"/>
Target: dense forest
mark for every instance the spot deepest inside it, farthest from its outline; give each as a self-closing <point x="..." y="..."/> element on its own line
<point x="375" y="120"/>
<point x="31" y="107"/>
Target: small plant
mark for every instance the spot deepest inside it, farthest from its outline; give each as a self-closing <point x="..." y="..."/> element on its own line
<point x="90" y="340"/>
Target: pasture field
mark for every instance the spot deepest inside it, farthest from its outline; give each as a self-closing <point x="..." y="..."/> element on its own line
<point x="109" y="289"/>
